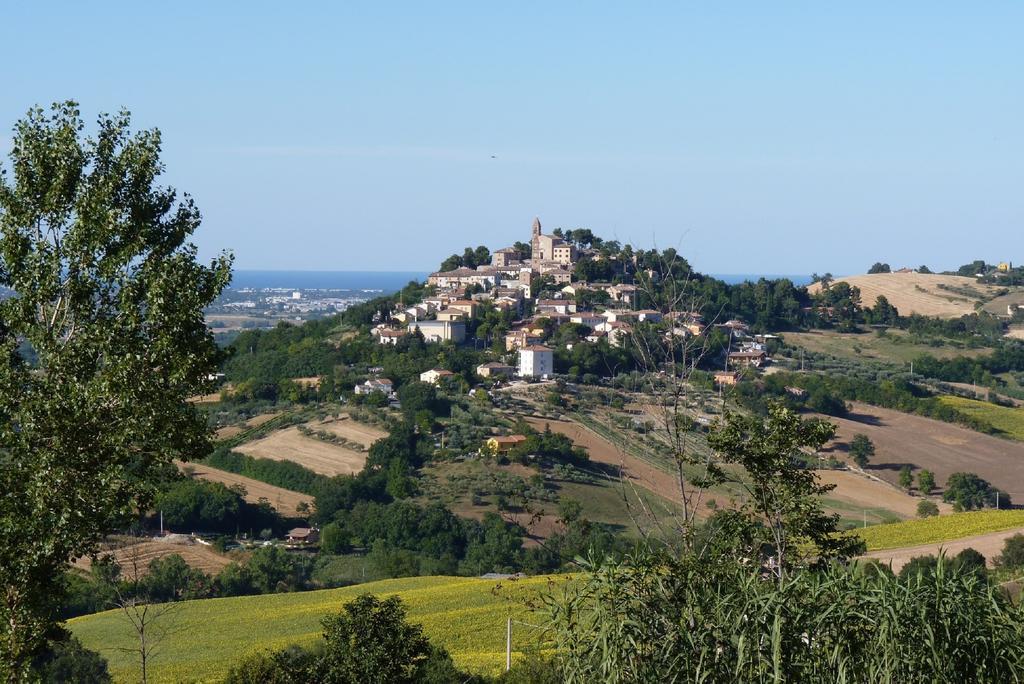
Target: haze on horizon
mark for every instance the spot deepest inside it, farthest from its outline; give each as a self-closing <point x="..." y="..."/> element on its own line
<point x="758" y="138"/>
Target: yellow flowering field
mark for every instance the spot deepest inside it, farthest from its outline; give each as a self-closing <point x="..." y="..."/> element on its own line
<point x="939" y="529"/>
<point x="1007" y="419"/>
<point x="465" y="615"/>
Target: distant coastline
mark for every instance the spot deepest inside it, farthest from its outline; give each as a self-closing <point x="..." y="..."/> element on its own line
<point x="391" y="281"/>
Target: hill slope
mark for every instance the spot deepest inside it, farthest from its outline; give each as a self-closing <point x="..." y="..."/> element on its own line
<point x="465" y="615"/>
<point x="921" y="293"/>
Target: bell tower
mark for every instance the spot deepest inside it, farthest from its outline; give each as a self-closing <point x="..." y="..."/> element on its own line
<point x="535" y="240"/>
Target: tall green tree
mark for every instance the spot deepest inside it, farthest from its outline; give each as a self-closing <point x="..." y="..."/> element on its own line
<point x="783" y="496"/>
<point x="862" y="449"/>
<point x="102" y="342"/>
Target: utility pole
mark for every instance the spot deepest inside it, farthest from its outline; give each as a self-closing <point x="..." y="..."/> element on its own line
<point x="508" y="645"/>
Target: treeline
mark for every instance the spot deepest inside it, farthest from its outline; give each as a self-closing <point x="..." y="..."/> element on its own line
<point x="828" y="394"/>
<point x="270" y="569"/>
<point x="1008" y="357"/>
<point x="284" y="474"/>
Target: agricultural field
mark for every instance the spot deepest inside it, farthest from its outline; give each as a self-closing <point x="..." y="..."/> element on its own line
<point x="317" y="455"/>
<point x="466" y="616"/>
<point x="856" y="495"/>
<point x="984" y="531"/>
<point x="926" y="294"/>
<point x="602" y="451"/>
<point x="284" y="500"/>
<point x="903" y="439"/>
<point x="135" y="555"/>
<point x="1006" y="419"/>
<point x="895" y="347"/>
<point x="349" y="429"/>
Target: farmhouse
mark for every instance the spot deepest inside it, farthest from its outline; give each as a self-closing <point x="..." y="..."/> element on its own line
<point x="489" y="370"/>
<point x="502" y="445"/>
<point x="434" y="375"/>
<point x="725" y="378"/>
<point x="390" y="336"/>
<point x="382" y="385"/>
<point x="746" y="359"/>
<point x="303" y="535"/>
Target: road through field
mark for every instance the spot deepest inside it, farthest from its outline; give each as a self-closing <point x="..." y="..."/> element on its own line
<point x="989" y="545"/>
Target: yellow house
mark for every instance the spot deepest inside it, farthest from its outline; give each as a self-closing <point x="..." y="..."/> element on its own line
<point x="1004" y="266"/>
<point x="501" y="445"/>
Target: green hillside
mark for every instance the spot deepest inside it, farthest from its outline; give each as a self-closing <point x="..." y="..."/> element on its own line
<point x="466" y="616"/>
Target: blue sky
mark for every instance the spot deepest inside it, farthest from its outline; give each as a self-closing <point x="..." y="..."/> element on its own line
<point x="755" y="137"/>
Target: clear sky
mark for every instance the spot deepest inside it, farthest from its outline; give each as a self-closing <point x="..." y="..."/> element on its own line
<point x="758" y="137"/>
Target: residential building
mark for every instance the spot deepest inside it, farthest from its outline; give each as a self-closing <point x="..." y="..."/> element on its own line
<point x="517" y="339"/>
<point x="489" y="370"/>
<point x="746" y="359"/>
<point x="726" y="377"/>
<point x="451" y="315"/>
<point x="536" y="361"/>
<point x="440" y="331"/>
<point x="390" y="336"/>
<point x="503" y="445"/>
<point x="382" y="385"/>
<point x="587" y="318"/>
<point x="435" y="375"/>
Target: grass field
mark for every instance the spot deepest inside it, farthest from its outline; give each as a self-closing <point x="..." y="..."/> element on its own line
<point x="895" y="347"/>
<point x="940" y="529"/>
<point x="466" y="616"/>
<point x="1006" y="419"/>
<point x="291" y="445"/>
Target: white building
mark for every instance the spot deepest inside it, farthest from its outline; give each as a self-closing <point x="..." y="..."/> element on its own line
<point x="382" y="385"/>
<point x="440" y="331"/>
<point x="536" y="361"/>
<point x="434" y="375"/>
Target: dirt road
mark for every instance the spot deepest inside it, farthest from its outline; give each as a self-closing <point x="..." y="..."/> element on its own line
<point x="989" y="545"/>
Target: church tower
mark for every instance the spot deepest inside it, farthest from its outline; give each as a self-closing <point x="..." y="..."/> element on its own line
<point x="535" y="240"/>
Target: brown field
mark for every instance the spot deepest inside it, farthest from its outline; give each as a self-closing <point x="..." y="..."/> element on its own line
<point x="919" y="292"/>
<point x="351" y="430"/>
<point x="291" y="445"/>
<point x="135" y="557"/>
<point x="863" y="492"/>
<point x="284" y="500"/>
<point x="943" y="448"/>
<point x="232" y="430"/>
<point x="989" y="545"/>
<point x="603" y="451"/>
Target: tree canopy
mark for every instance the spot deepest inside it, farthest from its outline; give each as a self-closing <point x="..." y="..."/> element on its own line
<point x="103" y="341"/>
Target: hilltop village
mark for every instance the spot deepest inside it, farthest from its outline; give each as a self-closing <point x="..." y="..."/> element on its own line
<point x="539" y="284"/>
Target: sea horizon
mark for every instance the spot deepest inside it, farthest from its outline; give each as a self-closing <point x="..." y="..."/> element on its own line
<point x="390" y="281"/>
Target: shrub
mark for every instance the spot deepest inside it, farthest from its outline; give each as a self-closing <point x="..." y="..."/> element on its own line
<point x="927" y="509"/>
<point x="1013" y="553"/>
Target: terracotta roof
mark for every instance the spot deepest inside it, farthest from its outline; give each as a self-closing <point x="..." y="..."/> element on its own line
<point x="537" y="348"/>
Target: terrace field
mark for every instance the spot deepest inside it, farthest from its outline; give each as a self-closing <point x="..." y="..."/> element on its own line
<point x="466" y="616"/>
